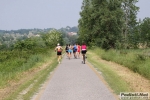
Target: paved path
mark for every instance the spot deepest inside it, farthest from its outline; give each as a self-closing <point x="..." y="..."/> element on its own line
<point x="73" y="80"/>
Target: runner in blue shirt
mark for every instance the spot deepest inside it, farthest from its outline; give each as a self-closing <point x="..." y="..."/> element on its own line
<point x="75" y="50"/>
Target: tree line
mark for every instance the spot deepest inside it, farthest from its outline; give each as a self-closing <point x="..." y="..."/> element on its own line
<point x="113" y="24"/>
<point x="10" y="38"/>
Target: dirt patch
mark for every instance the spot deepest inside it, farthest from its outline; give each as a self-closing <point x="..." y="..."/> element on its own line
<point x="23" y="77"/>
<point x="136" y="82"/>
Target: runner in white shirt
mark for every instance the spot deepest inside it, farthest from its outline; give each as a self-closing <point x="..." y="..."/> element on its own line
<point x="59" y="50"/>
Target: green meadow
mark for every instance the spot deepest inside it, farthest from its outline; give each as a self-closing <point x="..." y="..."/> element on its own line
<point x="137" y="60"/>
<point x="13" y="63"/>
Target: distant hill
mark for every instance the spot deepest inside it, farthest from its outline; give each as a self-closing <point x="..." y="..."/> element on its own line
<point x="8" y="37"/>
<point x="69" y="29"/>
<point x="36" y="30"/>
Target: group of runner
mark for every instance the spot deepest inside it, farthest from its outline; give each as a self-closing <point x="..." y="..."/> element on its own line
<point x="75" y="49"/>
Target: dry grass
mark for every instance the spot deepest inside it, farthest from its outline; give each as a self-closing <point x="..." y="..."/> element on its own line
<point x="23" y="77"/>
<point x="136" y="82"/>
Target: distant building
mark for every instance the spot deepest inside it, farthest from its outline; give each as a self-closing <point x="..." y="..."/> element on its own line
<point x="72" y="33"/>
<point x="30" y="34"/>
<point x="37" y="35"/>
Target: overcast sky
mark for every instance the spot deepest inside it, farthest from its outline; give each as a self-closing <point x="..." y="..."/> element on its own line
<point x="27" y="14"/>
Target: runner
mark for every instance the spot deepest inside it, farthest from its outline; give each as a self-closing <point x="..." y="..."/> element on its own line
<point x="69" y="51"/>
<point x="78" y="50"/>
<point x="59" y="50"/>
<point x="74" y="51"/>
<point x="83" y="51"/>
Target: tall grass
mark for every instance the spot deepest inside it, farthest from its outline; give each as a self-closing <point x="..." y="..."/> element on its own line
<point x="36" y="81"/>
<point x="15" y="62"/>
<point x="115" y="82"/>
<point x="138" y="60"/>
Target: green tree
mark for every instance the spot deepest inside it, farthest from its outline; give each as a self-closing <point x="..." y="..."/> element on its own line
<point x="145" y="31"/>
<point x="135" y="37"/>
<point x="84" y="22"/>
<point x="101" y="23"/>
<point x="27" y="44"/>
<point x="130" y="20"/>
<point x="52" y="38"/>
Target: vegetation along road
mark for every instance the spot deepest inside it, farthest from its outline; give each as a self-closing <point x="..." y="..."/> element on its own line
<point x="118" y="56"/>
<point x="97" y="80"/>
<point x="73" y="80"/>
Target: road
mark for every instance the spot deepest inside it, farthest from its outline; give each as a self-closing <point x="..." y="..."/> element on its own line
<point x="73" y="80"/>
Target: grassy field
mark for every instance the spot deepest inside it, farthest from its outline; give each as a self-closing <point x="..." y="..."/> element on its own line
<point x="27" y="75"/>
<point x="138" y="60"/>
<point x="26" y="90"/>
<point x="12" y="63"/>
<point x="20" y="73"/>
<point x="118" y="69"/>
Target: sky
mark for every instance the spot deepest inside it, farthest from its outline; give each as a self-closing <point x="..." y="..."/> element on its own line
<point x="29" y="14"/>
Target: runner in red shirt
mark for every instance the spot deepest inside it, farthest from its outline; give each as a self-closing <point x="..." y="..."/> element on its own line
<point x="78" y="50"/>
